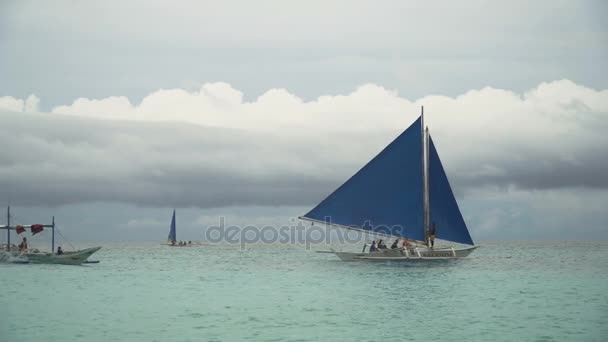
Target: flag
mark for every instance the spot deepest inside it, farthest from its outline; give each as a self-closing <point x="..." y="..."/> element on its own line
<point x="36" y="228"/>
<point x="19" y="229"/>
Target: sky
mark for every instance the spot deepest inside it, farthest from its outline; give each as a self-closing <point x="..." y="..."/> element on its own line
<point x="113" y="113"/>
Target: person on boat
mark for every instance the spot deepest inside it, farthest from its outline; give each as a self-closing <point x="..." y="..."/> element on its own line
<point x="381" y="244"/>
<point x="374" y="247"/>
<point x="395" y="244"/>
<point x="409" y="245"/>
<point x="59" y="250"/>
<point x="23" y="245"/>
<point x="432" y="235"/>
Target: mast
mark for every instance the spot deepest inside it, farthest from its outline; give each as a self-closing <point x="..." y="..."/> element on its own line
<point x="427" y="202"/>
<point x="8" y="231"/>
<point x="53" y="236"/>
<point x="425" y="176"/>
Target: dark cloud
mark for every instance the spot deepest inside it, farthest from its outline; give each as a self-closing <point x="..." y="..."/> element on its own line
<point x="538" y="172"/>
<point x="58" y="160"/>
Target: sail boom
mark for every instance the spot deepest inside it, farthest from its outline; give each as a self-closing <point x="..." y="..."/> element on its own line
<point x="26" y="226"/>
<point x="371" y="232"/>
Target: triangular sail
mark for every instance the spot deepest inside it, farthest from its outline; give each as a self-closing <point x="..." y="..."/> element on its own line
<point x="443" y="207"/>
<point x="385" y="196"/>
<point x="172" y="237"/>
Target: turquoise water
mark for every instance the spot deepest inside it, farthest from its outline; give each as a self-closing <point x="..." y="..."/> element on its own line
<point x="515" y="291"/>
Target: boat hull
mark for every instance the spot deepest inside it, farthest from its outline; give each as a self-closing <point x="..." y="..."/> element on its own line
<point x="67" y="258"/>
<point x="407" y="254"/>
<point x="186" y="245"/>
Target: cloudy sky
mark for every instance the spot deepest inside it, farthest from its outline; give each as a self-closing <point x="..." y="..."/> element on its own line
<point x="112" y="113"/>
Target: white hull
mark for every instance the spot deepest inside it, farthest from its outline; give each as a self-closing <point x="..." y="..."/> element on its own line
<point x="67" y="258"/>
<point x="417" y="253"/>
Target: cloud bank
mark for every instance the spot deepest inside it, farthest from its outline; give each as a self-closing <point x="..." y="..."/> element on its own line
<point x="211" y="148"/>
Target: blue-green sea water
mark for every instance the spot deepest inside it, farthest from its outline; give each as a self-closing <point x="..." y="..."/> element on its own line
<point x="512" y="291"/>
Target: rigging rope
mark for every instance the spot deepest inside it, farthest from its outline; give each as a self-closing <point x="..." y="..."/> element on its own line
<point x="66" y="240"/>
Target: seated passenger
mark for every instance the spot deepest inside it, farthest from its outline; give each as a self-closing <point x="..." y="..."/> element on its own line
<point x="382" y="245"/>
<point x="23" y="245"/>
<point x="395" y="244"/>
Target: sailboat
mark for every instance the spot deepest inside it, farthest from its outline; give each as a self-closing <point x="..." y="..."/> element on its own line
<point x="172" y="239"/>
<point x="402" y="193"/>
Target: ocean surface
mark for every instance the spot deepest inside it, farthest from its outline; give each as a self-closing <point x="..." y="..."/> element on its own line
<point x="509" y="291"/>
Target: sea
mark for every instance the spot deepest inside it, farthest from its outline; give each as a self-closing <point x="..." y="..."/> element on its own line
<point x="504" y="291"/>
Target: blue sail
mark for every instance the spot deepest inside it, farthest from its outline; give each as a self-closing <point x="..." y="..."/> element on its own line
<point x="444" y="210"/>
<point x="385" y="196"/>
<point x="172" y="236"/>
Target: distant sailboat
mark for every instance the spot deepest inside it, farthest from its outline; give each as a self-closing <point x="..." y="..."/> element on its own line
<point x="399" y="194"/>
<point x="172" y="237"/>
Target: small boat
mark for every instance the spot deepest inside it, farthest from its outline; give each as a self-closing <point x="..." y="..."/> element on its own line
<point x="402" y="193"/>
<point x="14" y="255"/>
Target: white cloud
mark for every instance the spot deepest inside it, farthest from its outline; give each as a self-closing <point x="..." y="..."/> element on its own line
<point x="11" y="104"/>
<point x="112" y="107"/>
<point x="553" y="105"/>
<point x="30" y="105"/>
<point x="478" y="133"/>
